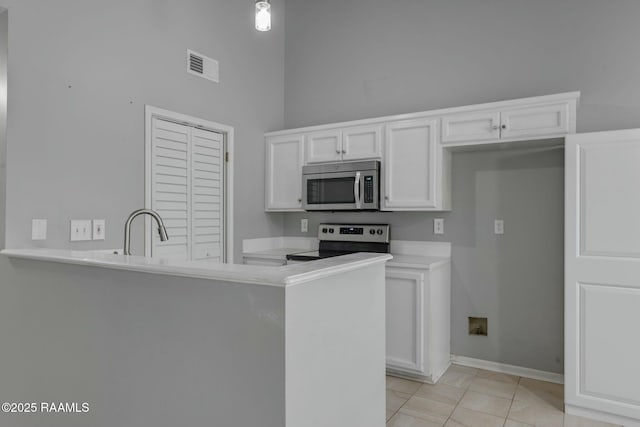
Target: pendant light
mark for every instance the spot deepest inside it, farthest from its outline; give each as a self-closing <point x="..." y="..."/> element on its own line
<point x="263" y="15"/>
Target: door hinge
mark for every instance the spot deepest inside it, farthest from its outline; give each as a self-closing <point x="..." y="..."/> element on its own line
<point x="226" y="156"/>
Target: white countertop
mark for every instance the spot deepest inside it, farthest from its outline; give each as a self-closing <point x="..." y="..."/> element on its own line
<point x="406" y="254"/>
<point x="281" y="276"/>
<point x="417" y="261"/>
<point x="276" y="253"/>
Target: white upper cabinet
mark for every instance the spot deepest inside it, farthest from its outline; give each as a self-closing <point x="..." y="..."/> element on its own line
<point x="514" y="121"/>
<point x="414" y="149"/>
<point x="483" y="126"/>
<point x="352" y="143"/>
<point x="324" y="146"/>
<point x="362" y="142"/>
<point x="283" y="182"/>
<point x="535" y="121"/>
<point x="411" y="167"/>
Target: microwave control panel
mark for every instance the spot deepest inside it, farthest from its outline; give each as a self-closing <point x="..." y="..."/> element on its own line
<point x="368" y="189"/>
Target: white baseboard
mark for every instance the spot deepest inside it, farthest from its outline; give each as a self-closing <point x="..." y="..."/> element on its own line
<point x="432" y="379"/>
<point x="600" y="416"/>
<point x="508" y="369"/>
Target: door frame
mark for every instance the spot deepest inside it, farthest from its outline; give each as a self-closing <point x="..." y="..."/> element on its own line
<point x="152" y="112"/>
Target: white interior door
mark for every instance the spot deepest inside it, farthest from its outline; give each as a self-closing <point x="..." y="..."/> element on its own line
<point x="602" y="286"/>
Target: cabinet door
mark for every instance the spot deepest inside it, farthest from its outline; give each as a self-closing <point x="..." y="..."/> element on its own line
<point x="324" y="146"/>
<point x="411" y="165"/>
<point x="362" y="142"/>
<point x="471" y="127"/>
<point x="405" y="320"/>
<point x="535" y="121"/>
<point x="284" y="173"/>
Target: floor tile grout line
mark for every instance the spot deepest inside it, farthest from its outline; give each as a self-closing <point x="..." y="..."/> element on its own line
<point x="461" y="397"/>
<point x="405" y="402"/>
<point x="512" y="399"/>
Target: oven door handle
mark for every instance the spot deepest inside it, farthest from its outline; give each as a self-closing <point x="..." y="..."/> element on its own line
<point x="356" y="191"/>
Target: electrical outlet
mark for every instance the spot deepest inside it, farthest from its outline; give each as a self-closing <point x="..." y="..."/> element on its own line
<point x="304" y="225"/>
<point x="80" y="230"/>
<point x="99" y="229"/>
<point x="38" y="229"/>
<point x="438" y="226"/>
<point x="498" y="226"/>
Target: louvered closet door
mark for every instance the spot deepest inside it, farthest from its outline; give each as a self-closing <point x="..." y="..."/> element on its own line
<point x="207" y="195"/>
<point x="170" y="169"/>
<point x="187" y="191"/>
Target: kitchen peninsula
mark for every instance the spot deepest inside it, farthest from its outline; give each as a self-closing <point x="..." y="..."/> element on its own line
<point x="196" y="343"/>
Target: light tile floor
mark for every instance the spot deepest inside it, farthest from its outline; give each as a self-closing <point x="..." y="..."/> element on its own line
<point x="469" y="397"/>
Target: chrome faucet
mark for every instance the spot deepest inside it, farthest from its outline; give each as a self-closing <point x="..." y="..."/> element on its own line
<point x="127" y="228"/>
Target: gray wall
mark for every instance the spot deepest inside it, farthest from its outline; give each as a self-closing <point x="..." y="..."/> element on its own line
<point x="80" y="75"/>
<point x="351" y="59"/>
<point x="3" y="119"/>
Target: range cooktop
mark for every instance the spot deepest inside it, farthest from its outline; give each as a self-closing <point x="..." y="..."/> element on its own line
<point x="343" y="239"/>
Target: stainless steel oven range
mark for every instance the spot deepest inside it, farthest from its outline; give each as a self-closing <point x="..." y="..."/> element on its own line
<point x="342" y="239"/>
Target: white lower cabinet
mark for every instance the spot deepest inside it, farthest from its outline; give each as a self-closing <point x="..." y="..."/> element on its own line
<point x="418" y="321"/>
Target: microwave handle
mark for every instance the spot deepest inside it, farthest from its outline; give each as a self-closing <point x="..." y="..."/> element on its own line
<point x="356" y="191"/>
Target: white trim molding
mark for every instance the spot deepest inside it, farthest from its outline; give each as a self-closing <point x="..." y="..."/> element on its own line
<point x="228" y="132"/>
<point x="600" y="416"/>
<point x="508" y="369"/>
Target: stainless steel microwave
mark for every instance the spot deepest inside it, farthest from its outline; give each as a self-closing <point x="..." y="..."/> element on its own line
<point x="349" y="186"/>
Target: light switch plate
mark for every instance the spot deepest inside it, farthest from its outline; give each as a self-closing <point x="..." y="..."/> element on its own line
<point x="38" y="229"/>
<point x="99" y="229"/>
<point x="498" y="226"/>
<point x="80" y="230"/>
<point x="438" y="226"/>
<point x="304" y="225"/>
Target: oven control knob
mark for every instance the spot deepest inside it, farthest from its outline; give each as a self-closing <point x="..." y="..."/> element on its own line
<point x="331" y="230"/>
<point x="380" y="231"/>
<point x="324" y="230"/>
<point x="372" y="231"/>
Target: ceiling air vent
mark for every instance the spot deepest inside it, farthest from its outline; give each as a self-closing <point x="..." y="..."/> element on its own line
<point x="203" y="66"/>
